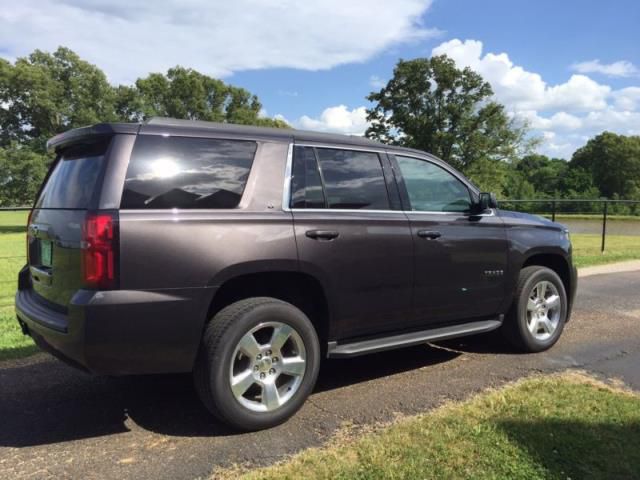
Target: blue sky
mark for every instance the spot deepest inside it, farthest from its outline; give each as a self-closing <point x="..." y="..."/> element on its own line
<point x="570" y="68"/>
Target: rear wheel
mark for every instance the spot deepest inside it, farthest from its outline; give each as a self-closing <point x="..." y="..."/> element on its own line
<point x="539" y="311"/>
<point x="258" y="363"/>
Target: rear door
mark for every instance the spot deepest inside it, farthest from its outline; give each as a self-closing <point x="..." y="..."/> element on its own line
<point x="460" y="259"/>
<point x="351" y="234"/>
<point x="55" y="230"/>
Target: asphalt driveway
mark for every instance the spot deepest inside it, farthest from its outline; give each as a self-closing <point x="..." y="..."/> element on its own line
<point x="58" y="422"/>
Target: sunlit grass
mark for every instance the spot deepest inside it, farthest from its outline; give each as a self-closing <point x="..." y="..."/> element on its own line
<point x="556" y="427"/>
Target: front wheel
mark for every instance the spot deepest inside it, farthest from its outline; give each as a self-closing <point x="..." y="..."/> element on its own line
<point x="257" y="364"/>
<point x="539" y="311"/>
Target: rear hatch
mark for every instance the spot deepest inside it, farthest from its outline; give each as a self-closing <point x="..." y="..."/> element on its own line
<point x="55" y="230"/>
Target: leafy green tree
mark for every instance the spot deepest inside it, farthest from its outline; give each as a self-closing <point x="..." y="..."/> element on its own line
<point x="21" y="173"/>
<point x="613" y="162"/>
<point x="47" y="93"/>
<point x="543" y="173"/>
<point x="431" y="105"/>
<point x="187" y="94"/>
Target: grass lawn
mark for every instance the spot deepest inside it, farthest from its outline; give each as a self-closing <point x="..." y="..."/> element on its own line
<point x="13" y="344"/>
<point x="586" y="249"/>
<point x="554" y="427"/>
<point x="12" y="253"/>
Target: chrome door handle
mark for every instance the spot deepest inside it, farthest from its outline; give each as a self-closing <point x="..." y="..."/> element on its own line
<point x="322" y="234"/>
<point x="429" y="234"/>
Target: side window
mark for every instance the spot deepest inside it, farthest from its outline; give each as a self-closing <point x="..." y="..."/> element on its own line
<point x="306" y="185"/>
<point x="353" y="179"/>
<point x="431" y="188"/>
<point x="181" y="172"/>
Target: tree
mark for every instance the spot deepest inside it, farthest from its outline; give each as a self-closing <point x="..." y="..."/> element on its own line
<point x="613" y="162"/>
<point x="188" y="94"/>
<point x="543" y="173"/>
<point x="45" y="94"/>
<point x="431" y="105"/>
<point x="21" y="173"/>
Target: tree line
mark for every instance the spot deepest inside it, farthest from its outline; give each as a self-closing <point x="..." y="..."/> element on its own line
<point x="428" y="104"/>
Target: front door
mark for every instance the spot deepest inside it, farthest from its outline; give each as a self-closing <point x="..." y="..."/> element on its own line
<point x="460" y="259"/>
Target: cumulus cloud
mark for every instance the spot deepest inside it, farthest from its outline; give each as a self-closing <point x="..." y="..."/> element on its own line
<point x="338" y="119"/>
<point x="621" y="68"/>
<point x="130" y="38"/>
<point x="565" y="114"/>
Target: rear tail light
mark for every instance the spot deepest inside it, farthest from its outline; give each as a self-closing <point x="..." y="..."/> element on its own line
<point x="99" y="250"/>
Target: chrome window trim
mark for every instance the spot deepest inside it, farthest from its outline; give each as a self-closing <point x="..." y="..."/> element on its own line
<point x="342" y="147"/>
<point x="286" y="190"/>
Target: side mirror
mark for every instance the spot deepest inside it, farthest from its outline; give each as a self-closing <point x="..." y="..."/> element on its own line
<point x="486" y="201"/>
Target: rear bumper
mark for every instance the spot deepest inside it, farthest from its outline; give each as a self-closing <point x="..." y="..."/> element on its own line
<point x="120" y="332"/>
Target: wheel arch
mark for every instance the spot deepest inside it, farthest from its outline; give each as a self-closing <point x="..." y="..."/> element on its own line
<point x="298" y="288"/>
<point x="556" y="262"/>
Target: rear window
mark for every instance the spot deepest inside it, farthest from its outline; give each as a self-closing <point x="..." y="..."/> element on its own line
<point x="353" y="179"/>
<point x="74" y="177"/>
<point x="181" y="172"/>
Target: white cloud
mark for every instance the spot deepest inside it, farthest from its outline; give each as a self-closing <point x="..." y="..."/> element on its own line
<point x="376" y="82"/>
<point x="566" y="115"/>
<point x="621" y="68"/>
<point x="338" y="119"/>
<point x="130" y="38"/>
<point x="521" y="89"/>
<point x="627" y="98"/>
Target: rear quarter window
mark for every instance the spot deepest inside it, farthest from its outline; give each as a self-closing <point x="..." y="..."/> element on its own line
<point x="181" y="172"/>
<point x="74" y="177"/>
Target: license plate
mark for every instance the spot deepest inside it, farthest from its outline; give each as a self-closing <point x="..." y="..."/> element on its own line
<point x="45" y="253"/>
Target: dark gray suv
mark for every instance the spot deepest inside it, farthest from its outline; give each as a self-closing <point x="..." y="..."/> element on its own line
<point x="246" y="254"/>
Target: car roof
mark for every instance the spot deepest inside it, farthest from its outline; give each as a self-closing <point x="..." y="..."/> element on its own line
<point x="162" y="125"/>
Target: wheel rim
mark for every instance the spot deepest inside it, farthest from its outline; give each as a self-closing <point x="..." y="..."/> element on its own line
<point x="268" y="366"/>
<point x="544" y="307"/>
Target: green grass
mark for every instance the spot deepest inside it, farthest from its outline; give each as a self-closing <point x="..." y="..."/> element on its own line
<point x="556" y="427"/>
<point x="13" y="344"/>
<point x="589" y="216"/>
<point x="618" y="248"/>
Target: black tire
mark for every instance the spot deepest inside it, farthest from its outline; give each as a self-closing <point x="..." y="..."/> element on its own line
<point x="214" y="362"/>
<point x="515" y="328"/>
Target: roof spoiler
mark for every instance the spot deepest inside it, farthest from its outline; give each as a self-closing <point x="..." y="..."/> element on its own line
<point x="100" y="129"/>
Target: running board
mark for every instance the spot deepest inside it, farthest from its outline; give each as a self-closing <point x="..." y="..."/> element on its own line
<point x="354" y="349"/>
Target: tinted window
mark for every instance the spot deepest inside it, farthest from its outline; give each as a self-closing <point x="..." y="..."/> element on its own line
<point x="74" y="177"/>
<point x="431" y="188"/>
<point x="180" y="172"/>
<point x="352" y="179"/>
<point x="306" y="186"/>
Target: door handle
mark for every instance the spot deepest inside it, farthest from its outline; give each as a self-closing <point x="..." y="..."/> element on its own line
<point x="322" y="234"/>
<point x="430" y="234"/>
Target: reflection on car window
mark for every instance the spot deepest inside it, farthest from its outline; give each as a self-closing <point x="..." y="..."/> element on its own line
<point x="353" y="179"/>
<point x="431" y="188"/>
<point x="74" y="177"/>
<point x="306" y="185"/>
<point x="181" y="172"/>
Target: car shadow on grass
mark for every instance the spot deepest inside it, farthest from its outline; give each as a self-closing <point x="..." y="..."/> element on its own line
<point x="574" y="449"/>
<point x="47" y="402"/>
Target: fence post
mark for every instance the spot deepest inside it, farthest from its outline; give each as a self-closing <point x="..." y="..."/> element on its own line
<point x="553" y="211"/>
<point x="604" y="224"/>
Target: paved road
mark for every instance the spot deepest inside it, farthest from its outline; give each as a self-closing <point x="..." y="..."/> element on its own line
<point x="56" y="422"/>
